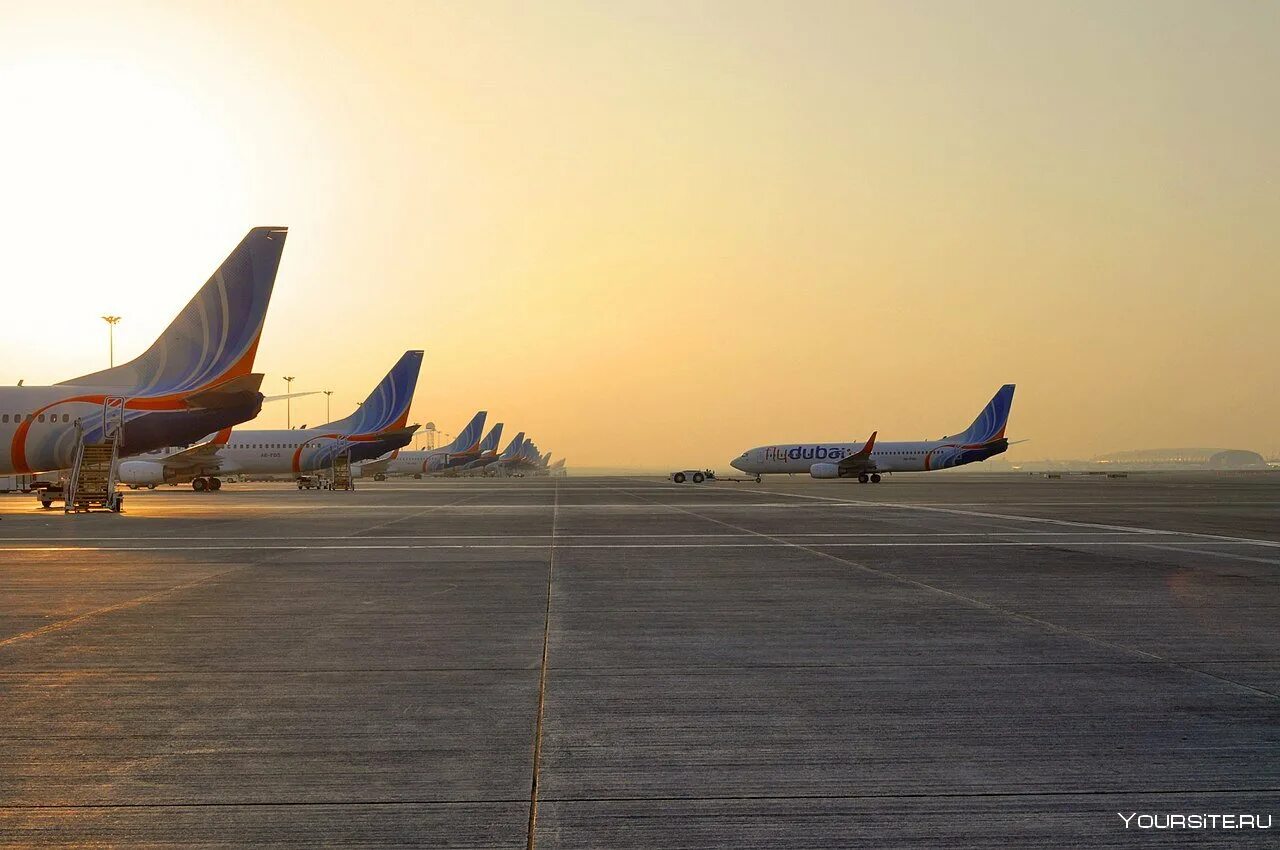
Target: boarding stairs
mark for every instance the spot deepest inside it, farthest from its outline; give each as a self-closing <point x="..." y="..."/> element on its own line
<point x="93" y="474"/>
<point x="341" y="478"/>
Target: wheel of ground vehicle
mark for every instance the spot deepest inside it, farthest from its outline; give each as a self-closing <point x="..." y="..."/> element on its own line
<point x="215" y="483"/>
<point x="379" y="477"/>
<point x="151" y="486"/>
<point x="698" y="478"/>
<point x="875" y="478"/>
<point x="417" y="475"/>
<point x="863" y="478"/>
<point x="199" y="485"/>
<point x="678" y="478"/>
<point x="46" y="503"/>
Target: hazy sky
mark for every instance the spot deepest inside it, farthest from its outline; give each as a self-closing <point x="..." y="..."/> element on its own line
<point x="657" y="233"/>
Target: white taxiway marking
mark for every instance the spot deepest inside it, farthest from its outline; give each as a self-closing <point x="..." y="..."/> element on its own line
<point x="306" y="547"/>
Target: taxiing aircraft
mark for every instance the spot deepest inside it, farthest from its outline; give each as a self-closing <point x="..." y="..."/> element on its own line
<point x="196" y="378"/>
<point x="868" y="461"/>
<point x="377" y="427"/>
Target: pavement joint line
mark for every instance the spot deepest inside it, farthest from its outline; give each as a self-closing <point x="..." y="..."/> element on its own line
<point x="1024" y="518"/>
<point x="532" y="835"/>
<point x="726" y="798"/>
<point x="1187" y="548"/>
<point x="609" y="669"/>
<point x="419" y="514"/>
<point x="778" y="544"/>
<point x="858" y="534"/>
<point x="124" y="605"/>
<point x="1141" y="653"/>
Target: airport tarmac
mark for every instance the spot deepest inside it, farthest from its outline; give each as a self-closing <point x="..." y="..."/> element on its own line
<point x="943" y="660"/>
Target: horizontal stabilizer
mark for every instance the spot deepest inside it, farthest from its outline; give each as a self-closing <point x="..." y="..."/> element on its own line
<point x="289" y="395"/>
<point x="226" y="394"/>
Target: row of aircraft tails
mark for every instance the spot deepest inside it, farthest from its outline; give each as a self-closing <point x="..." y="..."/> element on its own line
<point x="197" y="382"/>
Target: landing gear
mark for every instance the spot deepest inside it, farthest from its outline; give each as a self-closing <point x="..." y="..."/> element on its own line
<point x="875" y="478"/>
<point x="199" y="485"/>
<point x="215" y="483"/>
<point x="863" y="478"/>
<point x="757" y="479"/>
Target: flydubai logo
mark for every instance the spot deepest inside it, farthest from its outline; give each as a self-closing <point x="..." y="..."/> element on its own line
<point x="803" y="453"/>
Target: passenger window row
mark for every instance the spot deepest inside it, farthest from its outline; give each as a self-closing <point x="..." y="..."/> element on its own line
<point x="52" y="417"/>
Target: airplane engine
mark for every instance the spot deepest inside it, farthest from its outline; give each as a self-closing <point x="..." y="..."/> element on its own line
<point x="143" y="472"/>
<point x="825" y="470"/>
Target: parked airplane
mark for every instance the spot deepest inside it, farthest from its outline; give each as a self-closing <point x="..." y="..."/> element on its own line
<point x="867" y="461"/>
<point x="488" y="449"/>
<point x="464" y="449"/>
<point x="196" y="378"/>
<point x="507" y="460"/>
<point x="377" y="427"/>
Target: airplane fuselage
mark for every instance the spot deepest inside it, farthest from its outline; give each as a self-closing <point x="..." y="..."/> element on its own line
<point x="280" y="452"/>
<point x="38" y="425"/>
<point x="921" y="456"/>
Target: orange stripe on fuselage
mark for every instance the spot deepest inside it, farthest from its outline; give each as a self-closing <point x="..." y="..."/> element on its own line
<point x="168" y="402"/>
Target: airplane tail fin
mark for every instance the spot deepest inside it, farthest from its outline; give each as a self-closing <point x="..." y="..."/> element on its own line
<point x="387" y="407"/>
<point x="490" y="441"/>
<point x="215" y="337"/>
<point x="513" y="448"/>
<point x="991" y="422"/>
<point x="469" y="437"/>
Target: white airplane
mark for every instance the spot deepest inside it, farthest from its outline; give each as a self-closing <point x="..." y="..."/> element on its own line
<point x="377" y="427"/>
<point x="867" y="461"/>
<point x="488" y="449"/>
<point x="510" y="456"/>
<point x="464" y="449"/>
<point x="196" y="378"/>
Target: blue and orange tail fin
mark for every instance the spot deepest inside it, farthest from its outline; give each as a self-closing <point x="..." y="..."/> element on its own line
<point x="490" y="441"/>
<point x="513" y="448"/>
<point x="387" y="407"/>
<point x="215" y="337"/>
<point x="991" y="422"/>
<point x="469" y="437"/>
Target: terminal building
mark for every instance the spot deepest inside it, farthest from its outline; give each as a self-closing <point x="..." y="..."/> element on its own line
<point x="1188" y="458"/>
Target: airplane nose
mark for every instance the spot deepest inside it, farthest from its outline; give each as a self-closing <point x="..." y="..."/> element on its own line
<point x="734" y="463"/>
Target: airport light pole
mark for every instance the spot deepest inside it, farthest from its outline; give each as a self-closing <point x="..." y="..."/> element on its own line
<point x="327" y="393"/>
<point x="111" y="321"/>
<point x="288" y="402"/>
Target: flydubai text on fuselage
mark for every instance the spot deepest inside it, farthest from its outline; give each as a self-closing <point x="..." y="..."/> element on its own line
<point x="377" y="427"/>
<point x="195" y="379"/>
<point x="866" y="461"/>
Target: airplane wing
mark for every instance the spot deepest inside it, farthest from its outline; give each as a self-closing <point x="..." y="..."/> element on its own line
<point x="203" y="458"/>
<point x="375" y="467"/>
<point x="859" y="461"/>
